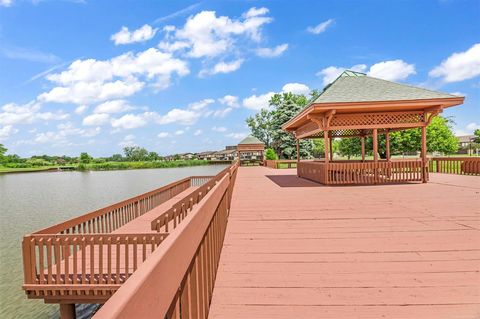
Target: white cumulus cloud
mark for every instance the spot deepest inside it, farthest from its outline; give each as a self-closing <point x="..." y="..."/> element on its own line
<point x="6" y="131"/>
<point x="459" y="66"/>
<point x="114" y="106"/>
<point x="88" y="81"/>
<point x="272" y="52"/>
<point x="296" y="88"/>
<point x="255" y="102"/>
<point x="31" y="112"/>
<point x="207" y="35"/>
<point x="96" y="119"/>
<point x="124" y="36"/>
<point x="130" y="121"/>
<point x="229" y="100"/>
<point x="393" y="70"/>
<point x="222" y="67"/>
<point x="163" y="134"/>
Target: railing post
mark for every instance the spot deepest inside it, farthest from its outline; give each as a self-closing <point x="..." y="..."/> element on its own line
<point x="67" y="311"/>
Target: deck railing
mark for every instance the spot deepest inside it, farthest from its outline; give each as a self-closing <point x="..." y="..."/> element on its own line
<point x="455" y="165"/>
<point x="344" y="173"/>
<point x="99" y="263"/>
<point x="85" y="259"/>
<point x="280" y="163"/>
<point x="177" y="280"/>
<point x="179" y="210"/>
<point x="110" y="218"/>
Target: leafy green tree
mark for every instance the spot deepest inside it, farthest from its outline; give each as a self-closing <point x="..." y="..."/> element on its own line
<point x="85" y="158"/>
<point x="116" y="158"/>
<point x="440" y="138"/>
<point x="350" y="147"/>
<point x="286" y="106"/>
<point x="3" y="150"/>
<point x="477" y="136"/>
<point x="270" y="154"/>
<point x="261" y="126"/>
<point x="153" y="156"/>
<point x="266" y="125"/>
<point x="135" y="153"/>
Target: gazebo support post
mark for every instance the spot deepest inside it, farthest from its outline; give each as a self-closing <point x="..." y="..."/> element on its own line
<point x="387" y="144"/>
<point x="424" y="154"/>
<point x="298" y="155"/>
<point x="387" y="147"/>
<point x="375" y="155"/>
<point x="326" y="146"/>
<point x="331" y="145"/>
<point x="363" y="148"/>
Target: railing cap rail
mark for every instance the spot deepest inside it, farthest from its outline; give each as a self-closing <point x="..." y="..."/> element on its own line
<point x="88" y="216"/>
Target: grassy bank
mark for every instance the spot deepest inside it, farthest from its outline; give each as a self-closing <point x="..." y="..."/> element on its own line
<point x="109" y="166"/>
<point x="25" y="169"/>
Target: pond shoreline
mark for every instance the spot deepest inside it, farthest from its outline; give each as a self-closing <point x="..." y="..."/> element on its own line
<point x="113" y="166"/>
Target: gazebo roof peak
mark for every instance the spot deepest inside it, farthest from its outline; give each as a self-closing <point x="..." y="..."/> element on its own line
<point x="352" y="86"/>
<point x="250" y="140"/>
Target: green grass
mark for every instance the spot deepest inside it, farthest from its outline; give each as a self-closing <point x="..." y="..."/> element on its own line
<point x="109" y="166"/>
<point x="25" y="169"/>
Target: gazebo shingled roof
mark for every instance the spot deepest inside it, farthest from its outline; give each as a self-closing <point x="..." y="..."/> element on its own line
<point x="250" y="140"/>
<point x="354" y="92"/>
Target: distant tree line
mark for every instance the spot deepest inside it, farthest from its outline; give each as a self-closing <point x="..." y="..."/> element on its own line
<point x="131" y="154"/>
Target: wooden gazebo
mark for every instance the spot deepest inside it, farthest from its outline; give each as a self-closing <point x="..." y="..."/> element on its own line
<point x="357" y="105"/>
<point x="250" y="150"/>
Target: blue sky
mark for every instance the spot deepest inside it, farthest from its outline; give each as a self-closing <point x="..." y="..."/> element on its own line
<point x="176" y="76"/>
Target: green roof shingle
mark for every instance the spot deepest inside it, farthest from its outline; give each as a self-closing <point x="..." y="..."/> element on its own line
<point x="250" y="140"/>
<point x="353" y="86"/>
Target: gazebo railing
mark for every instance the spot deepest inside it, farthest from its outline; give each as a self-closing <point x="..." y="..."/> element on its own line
<point x="455" y="165"/>
<point x="344" y="173"/>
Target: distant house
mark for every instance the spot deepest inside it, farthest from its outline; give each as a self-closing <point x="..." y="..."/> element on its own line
<point x="186" y="156"/>
<point x="226" y="155"/>
<point x="209" y="155"/>
<point x="467" y="145"/>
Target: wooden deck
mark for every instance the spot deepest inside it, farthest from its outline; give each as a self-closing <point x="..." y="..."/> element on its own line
<point x="297" y="249"/>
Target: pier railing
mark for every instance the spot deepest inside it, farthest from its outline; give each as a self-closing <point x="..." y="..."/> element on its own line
<point x="172" y="217"/>
<point x="348" y="173"/>
<point x="280" y="163"/>
<point x="86" y="259"/>
<point x="110" y="218"/>
<point x="177" y="280"/>
<point x="455" y="165"/>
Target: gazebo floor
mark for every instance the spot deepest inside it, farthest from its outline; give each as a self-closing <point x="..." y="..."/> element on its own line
<point x="297" y="249"/>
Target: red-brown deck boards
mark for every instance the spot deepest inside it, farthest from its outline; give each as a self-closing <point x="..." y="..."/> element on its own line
<point x="297" y="249"/>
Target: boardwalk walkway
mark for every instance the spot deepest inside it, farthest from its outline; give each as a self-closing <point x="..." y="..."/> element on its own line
<point x="296" y="249"/>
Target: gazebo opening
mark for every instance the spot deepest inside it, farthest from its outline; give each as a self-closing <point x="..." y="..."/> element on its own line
<point x="250" y="151"/>
<point x="357" y="105"/>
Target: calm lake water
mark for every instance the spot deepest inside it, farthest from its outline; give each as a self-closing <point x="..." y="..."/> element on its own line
<point x="31" y="201"/>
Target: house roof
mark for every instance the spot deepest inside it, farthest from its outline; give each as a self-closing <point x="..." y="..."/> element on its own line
<point x="353" y="86"/>
<point x="250" y="140"/>
<point x="465" y="138"/>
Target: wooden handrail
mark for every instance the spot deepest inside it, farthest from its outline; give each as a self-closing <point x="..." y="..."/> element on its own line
<point x="277" y="163"/>
<point x="345" y="173"/>
<point x="83" y="259"/>
<point x="109" y="218"/>
<point x="455" y="165"/>
<point x="180" y="209"/>
<point x="184" y="265"/>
